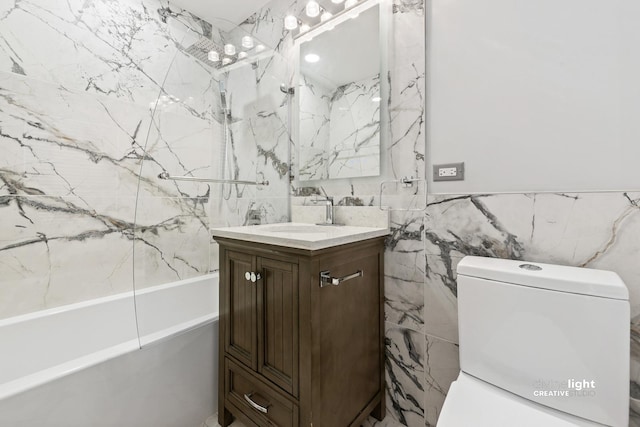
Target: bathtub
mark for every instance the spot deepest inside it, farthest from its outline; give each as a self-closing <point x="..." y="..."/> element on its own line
<point x="112" y="362"/>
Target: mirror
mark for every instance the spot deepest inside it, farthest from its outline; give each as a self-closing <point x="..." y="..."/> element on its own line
<point x="339" y="97"/>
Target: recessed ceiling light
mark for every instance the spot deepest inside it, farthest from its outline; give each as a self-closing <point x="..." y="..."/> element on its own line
<point x="311" y="58"/>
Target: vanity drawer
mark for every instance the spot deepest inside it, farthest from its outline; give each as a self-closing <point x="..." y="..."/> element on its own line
<point x="256" y="399"/>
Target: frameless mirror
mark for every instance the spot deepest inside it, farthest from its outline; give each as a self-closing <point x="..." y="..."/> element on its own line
<point x="339" y="98"/>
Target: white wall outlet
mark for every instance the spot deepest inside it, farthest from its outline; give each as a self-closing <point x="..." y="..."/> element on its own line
<point x="448" y="172"/>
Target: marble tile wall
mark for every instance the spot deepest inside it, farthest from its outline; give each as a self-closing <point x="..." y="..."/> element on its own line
<point x="96" y="100"/>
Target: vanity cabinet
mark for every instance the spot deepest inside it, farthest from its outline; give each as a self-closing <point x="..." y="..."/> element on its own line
<point x="295" y="349"/>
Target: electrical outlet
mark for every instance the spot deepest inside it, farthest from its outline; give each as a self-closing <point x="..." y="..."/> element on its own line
<point x="448" y="172"/>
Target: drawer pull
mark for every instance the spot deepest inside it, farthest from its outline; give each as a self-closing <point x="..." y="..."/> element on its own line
<point x="254" y="405"/>
<point x="326" y="279"/>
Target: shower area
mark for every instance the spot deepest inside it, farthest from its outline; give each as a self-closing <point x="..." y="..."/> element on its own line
<point x="127" y="129"/>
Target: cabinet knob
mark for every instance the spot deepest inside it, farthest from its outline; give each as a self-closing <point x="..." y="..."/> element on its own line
<point x="251" y="276"/>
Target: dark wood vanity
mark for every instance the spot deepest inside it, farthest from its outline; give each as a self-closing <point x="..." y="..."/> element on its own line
<point x="297" y="349"/>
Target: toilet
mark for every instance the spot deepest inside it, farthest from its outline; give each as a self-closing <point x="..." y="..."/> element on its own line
<point x="540" y="345"/>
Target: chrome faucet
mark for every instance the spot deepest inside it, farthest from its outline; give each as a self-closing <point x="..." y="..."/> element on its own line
<point x="329" y="208"/>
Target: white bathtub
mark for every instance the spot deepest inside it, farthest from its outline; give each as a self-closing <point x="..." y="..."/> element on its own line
<point x="61" y="357"/>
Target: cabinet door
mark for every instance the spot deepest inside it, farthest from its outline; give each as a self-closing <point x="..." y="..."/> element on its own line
<point x="240" y="326"/>
<point x="348" y="332"/>
<point x="278" y="323"/>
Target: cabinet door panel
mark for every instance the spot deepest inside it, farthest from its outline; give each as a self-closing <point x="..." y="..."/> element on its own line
<point x="241" y="331"/>
<point x="278" y="323"/>
<point x="349" y="336"/>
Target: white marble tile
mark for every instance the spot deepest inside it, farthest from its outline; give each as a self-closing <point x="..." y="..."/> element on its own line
<point x="441" y="369"/>
<point x="125" y="47"/>
<point x="596" y="230"/>
<point x="404" y="271"/>
<point x="171" y="240"/>
<point x="440" y="298"/>
<point x="405" y="370"/>
<point x="53" y="252"/>
<point x="363" y="216"/>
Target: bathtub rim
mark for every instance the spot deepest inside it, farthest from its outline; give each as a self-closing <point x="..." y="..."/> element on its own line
<point x="44" y="376"/>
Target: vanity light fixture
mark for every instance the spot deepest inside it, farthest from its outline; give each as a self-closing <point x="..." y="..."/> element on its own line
<point x="312" y="9"/>
<point x="290" y="22"/>
<point x="229" y="49"/>
<point x="242" y="55"/>
<point x="304" y="28"/>
<point x="325" y="16"/>
<point x="311" y="58"/>
<point x="247" y="42"/>
<point x="213" y="56"/>
<point x="226" y="61"/>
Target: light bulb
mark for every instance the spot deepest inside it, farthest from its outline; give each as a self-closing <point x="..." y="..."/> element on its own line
<point x="290" y="22"/>
<point x="304" y="28"/>
<point x="350" y="3"/>
<point x="325" y="16"/>
<point x="242" y="55"/>
<point x="312" y="9"/>
<point x="213" y="56"/>
<point x="312" y="58"/>
<point x="226" y="61"/>
<point x="247" y="42"/>
<point x="229" y="49"/>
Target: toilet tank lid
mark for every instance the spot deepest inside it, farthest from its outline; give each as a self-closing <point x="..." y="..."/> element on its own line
<point x="577" y="280"/>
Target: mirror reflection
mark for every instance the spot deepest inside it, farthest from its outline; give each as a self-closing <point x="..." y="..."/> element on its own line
<point x="339" y="100"/>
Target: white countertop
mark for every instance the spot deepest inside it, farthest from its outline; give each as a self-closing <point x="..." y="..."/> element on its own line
<point x="300" y="235"/>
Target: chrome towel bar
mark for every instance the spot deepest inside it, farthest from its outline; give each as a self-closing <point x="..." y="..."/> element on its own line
<point x="327" y="280"/>
<point x="165" y="175"/>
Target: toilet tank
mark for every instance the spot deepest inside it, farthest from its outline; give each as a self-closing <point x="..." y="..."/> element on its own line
<point x="556" y="335"/>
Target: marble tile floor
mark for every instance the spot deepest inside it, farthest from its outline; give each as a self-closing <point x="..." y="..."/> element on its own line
<point x="212" y="421"/>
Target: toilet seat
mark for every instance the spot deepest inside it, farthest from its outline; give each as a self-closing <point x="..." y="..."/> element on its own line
<point x="472" y="402"/>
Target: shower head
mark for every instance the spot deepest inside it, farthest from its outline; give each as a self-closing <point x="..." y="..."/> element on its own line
<point x="200" y="50"/>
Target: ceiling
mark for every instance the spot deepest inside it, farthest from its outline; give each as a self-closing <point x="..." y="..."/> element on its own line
<point x="223" y="14"/>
